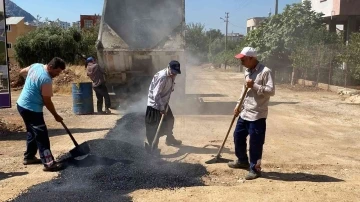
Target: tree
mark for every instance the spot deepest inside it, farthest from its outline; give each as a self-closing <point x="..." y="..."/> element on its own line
<point x="196" y="41"/>
<point x="351" y="56"/>
<point x="214" y="34"/>
<point x="278" y="35"/>
<point x="314" y="53"/>
<point x="44" y="43"/>
<point x="50" y="40"/>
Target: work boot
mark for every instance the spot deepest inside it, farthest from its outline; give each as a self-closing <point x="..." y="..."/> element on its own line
<point x="100" y="111"/>
<point x="30" y="161"/>
<point x="238" y="164"/>
<point x="171" y="141"/>
<point x="253" y="175"/>
<point x="56" y="166"/>
<point x="107" y="111"/>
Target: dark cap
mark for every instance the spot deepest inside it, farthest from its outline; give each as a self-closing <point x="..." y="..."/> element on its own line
<point x="175" y="67"/>
<point x="89" y="59"/>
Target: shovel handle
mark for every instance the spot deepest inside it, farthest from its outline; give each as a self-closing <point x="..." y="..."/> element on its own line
<point x="159" y="127"/>
<point x="232" y="122"/>
<point x="68" y="131"/>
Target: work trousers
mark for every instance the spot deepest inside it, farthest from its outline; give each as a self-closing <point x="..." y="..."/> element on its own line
<point x="102" y="93"/>
<point x="256" y="130"/>
<point x="152" y="121"/>
<point x="37" y="136"/>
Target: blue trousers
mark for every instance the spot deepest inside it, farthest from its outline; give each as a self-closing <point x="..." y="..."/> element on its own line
<point x="37" y="136"/>
<point x="256" y="130"/>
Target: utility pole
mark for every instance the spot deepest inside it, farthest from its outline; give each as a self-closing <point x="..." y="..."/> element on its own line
<point x="276" y="6"/>
<point x="226" y="20"/>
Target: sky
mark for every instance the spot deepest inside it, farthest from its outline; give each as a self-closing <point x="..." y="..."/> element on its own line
<point x="207" y="12"/>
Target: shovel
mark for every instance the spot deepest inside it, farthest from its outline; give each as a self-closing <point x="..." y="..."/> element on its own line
<point x="158" y="129"/>
<point x="79" y="152"/>
<point x="218" y="158"/>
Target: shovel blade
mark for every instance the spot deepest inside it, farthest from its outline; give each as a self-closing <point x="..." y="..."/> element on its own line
<point x="81" y="151"/>
<point x="217" y="160"/>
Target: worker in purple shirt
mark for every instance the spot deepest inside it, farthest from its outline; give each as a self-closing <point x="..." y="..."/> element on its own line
<point x="96" y="74"/>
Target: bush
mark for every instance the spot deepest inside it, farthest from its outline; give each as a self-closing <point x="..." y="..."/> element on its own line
<point x="49" y="41"/>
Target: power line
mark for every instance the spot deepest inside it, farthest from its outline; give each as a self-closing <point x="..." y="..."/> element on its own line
<point x="236" y="25"/>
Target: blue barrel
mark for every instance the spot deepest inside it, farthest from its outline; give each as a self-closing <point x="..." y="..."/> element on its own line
<point x="82" y="94"/>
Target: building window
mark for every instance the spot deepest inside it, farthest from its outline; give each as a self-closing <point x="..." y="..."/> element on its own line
<point x="8" y="28"/>
<point x="9" y="45"/>
<point x="88" y="23"/>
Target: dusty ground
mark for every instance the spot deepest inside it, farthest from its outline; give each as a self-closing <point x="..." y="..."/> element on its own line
<point x="14" y="176"/>
<point x="310" y="154"/>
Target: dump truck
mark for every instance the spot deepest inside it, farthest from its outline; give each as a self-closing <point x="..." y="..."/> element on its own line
<point x="137" y="39"/>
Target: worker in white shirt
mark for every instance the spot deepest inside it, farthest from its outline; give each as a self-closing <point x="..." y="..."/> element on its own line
<point x="161" y="87"/>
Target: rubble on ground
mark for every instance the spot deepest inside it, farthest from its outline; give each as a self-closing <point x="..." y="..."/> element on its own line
<point x="17" y="81"/>
<point x="354" y="99"/>
<point x="6" y="128"/>
<point x="66" y="77"/>
<point x="300" y="88"/>
<point x="350" y="92"/>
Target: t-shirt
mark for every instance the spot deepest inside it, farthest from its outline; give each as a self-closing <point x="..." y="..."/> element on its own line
<point x="38" y="82"/>
<point x="96" y="74"/>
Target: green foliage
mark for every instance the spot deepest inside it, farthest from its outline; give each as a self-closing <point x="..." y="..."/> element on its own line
<point x="351" y="56"/>
<point x="196" y="41"/>
<point x="318" y="50"/>
<point x="89" y="37"/>
<point x="204" y="45"/>
<point x="278" y="35"/>
<point x="214" y="34"/>
<point x="48" y="41"/>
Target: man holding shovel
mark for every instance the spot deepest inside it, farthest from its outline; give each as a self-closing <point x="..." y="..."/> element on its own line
<point x="252" y="120"/>
<point x="36" y="94"/>
<point x="161" y="87"/>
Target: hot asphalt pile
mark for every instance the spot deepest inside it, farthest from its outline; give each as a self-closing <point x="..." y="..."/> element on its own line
<point x="116" y="168"/>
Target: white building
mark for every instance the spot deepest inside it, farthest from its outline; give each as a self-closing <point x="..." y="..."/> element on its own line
<point x="235" y="36"/>
<point x="62" y="24"/>
<point x="252" y="23"/>
<point x="339" y="14"/>
<point x="76" y="25"/>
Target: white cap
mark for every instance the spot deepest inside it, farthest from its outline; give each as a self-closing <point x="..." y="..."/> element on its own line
<point x="247" y="51"/>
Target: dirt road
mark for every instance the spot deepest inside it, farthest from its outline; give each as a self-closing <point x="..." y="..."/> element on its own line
<point x="310" y="154"/>
<point x="14" y="176"/>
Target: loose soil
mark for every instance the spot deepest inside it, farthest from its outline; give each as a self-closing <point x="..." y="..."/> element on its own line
<point x="70" y="75"/>
<point x="7" y="128"/>
<point x="16" y="81"/>
<point x="310" y="153"/>
<point x="66" y="77"/>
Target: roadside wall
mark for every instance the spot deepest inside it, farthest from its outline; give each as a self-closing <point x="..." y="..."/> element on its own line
<point x="337" y="89"/>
